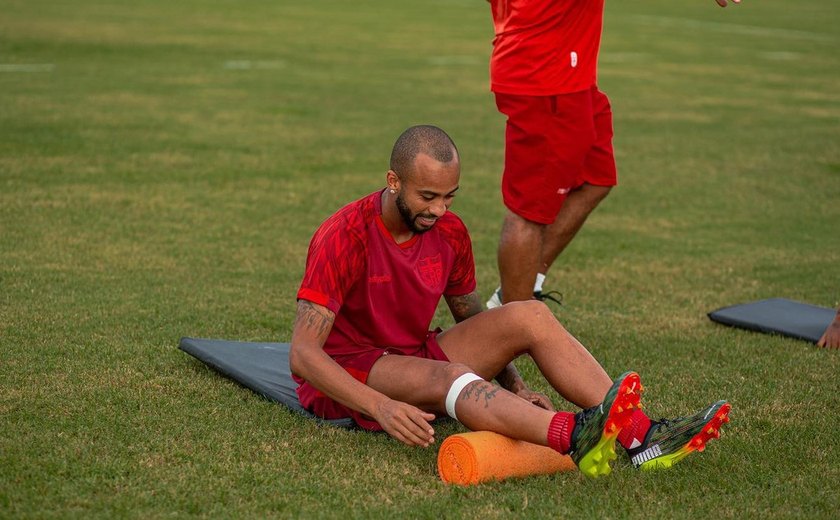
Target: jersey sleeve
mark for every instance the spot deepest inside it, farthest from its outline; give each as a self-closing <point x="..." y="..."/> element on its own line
<point x="462" y="277"/>
<point x="336" y="260"/>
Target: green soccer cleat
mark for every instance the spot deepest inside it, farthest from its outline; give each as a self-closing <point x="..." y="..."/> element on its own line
<point x="669" y="441"/>
<point x="596" y="428"/>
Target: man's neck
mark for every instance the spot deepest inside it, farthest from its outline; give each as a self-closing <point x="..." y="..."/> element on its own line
<point x="393" y="220"/>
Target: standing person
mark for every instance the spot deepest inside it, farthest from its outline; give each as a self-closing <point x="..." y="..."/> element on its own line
<point x="361" y="345"/>
<point x="559" y="162"/>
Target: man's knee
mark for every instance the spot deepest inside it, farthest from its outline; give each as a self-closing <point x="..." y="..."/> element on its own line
<point x="527" y="320"/>
<point x="528" y="312"/>
<point x="459" y="376"/>
<point x="449" y="373"/>
<point x="519" y="225"/>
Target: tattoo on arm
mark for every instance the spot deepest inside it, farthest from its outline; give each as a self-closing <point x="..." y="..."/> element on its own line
<point x="312" y="317"/>
<point x="479" y="391"/>
<point x="465" y="306"/>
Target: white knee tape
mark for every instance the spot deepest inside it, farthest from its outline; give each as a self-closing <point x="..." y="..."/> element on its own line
<point x="455" y="390"/>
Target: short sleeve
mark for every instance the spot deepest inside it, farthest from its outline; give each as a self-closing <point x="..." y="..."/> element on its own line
<point x="462" y="277"/>
<point x="336" y="260"/>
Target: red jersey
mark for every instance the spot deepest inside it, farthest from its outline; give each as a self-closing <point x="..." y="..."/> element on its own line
<point x="383" y="294"/>
<point x="545" y="47"/>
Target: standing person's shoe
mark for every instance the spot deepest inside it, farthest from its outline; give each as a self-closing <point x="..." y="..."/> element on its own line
<point x="496" y="298"/>
<point x="596" y="428"/>
<point x="670" y="440"/>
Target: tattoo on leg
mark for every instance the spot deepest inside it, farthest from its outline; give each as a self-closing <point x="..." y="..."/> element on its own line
<point x="309" y="317"/>
<point x="480" y="390"/>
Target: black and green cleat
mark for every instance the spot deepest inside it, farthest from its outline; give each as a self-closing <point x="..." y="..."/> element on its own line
<point x="596" y="428"/>
<point x="670" y="440"/>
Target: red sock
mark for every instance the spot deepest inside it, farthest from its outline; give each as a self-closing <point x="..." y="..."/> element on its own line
<point x="634" y="434"/>
<point x="560" y="431"/>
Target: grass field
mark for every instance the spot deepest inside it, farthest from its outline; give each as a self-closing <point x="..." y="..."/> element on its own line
<point x="163" y="165"/>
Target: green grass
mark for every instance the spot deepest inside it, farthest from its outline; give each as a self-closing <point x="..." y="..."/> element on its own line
<point x="163" y="177"/>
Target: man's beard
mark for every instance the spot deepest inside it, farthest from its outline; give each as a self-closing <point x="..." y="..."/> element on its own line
<point x="410" y="219"/>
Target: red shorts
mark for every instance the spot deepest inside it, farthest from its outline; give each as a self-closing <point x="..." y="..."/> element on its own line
<point x="358" y="366"/>
<point x="554" y="144"/>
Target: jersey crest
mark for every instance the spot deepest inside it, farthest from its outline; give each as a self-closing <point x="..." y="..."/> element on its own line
<point x="431" y="270"/>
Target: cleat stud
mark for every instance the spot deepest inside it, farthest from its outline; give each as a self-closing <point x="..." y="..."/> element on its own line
<point x="710" y="430"/>
<point x="620" y="409"/>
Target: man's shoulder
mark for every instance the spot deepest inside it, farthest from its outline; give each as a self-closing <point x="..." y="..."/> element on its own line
<point x="361" y="211"/>
<point x="352" y="218"/>
<point x="451" y="227"/>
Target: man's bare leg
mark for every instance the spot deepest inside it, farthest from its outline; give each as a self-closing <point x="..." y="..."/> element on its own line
<point x="519" y="254"/>
<point x="488" y="341"/>
<point x="588" y="436"/>
<point x="576" y="209"/>
<point x="484" y="406"/>
<point x="527" y="248"/>
<point x="484" y="345"/>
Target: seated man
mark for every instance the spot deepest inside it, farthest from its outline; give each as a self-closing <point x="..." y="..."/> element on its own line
<point x="361" y="345"/>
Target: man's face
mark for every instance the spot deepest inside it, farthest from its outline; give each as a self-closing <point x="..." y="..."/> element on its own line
<point x="426" y="193"/>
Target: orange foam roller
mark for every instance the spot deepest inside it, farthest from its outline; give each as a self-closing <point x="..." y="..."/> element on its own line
<point x="470" y="458"/>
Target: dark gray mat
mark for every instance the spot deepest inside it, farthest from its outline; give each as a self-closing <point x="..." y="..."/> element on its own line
<point x="778" y="316"/>
<point x="261" y="367"/>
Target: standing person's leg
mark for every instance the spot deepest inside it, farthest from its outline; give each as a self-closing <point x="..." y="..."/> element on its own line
<point x="547" y="139"/>
<point x="520" y="245"/>
<point x="599" y="176"/>
<point x="576" y="209"/>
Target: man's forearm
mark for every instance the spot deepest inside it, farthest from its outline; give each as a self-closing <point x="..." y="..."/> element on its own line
<point x="510" y="379"/>
<point x="322" y="372"/>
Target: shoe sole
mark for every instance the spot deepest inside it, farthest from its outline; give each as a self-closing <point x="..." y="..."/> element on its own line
<point x="711" y="430"/>
<point x="596" y="462"/>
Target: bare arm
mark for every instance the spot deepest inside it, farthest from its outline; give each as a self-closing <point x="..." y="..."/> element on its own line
<point x="468" y="305"/>
<point x="308" y="360"/>
<point x="464" y="306"/>
<point x="723" y="3"/>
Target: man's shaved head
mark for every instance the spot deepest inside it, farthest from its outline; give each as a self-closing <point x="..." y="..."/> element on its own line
<point x="426" y="139"/>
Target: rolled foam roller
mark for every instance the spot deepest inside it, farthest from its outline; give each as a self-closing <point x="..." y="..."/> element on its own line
<point x="474" y="457"/>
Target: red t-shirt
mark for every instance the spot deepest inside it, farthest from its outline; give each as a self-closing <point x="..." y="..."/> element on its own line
<point x="545" y="47"/>
<point x="383" y="294"/>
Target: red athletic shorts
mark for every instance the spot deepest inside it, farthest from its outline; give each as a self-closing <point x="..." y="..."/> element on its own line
<point x="358" y="366"/>
<point x="554" y="144"/>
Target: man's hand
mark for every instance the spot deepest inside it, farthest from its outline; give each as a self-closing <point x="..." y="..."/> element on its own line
<point x="406" y="423"/>
<point x="536" y="398"/>
<point x="723" y="3"/>
<point x="831" y="337"/>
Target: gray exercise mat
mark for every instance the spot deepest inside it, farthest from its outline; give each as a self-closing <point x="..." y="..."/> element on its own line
<point x="261" y="367"/>
<point x="778" y="316"/>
